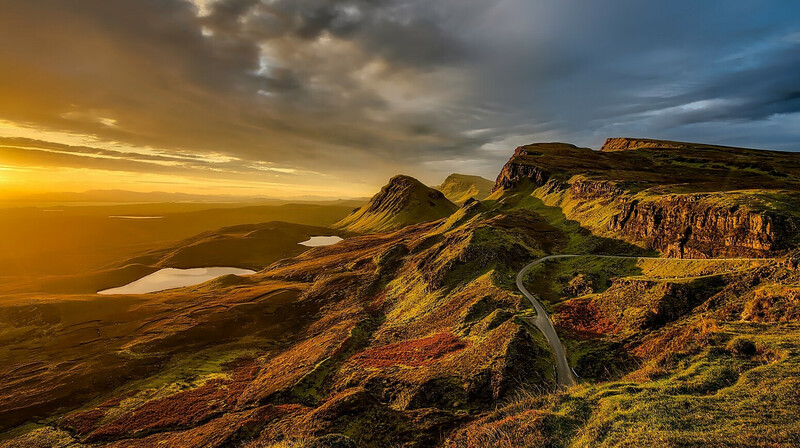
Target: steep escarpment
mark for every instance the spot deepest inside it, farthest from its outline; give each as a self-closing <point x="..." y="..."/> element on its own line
<point x="460" y="187"/>
<point x="693" y="226"/>
<point x="671" y="197"/>
<point x="521" y="167"/>
<point x="401" y="202"/>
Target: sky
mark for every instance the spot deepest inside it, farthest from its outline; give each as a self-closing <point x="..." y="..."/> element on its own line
<point x="332" y="97"/>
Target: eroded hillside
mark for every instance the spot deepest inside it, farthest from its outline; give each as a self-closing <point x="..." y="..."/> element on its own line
<point x="684" y="200"/>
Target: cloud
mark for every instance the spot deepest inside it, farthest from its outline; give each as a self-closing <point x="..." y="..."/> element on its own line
<point x="362" y="89"/>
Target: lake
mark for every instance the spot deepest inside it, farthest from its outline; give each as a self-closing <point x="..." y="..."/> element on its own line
<point x="316" y="241"/>
<point x="134" y="217"/>
<point x="169" y="278"/>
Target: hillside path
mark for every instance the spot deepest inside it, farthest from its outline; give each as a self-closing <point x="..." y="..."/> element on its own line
<point x="564" y="374"/>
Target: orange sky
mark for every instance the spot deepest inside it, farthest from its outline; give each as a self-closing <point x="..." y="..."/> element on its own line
<point x="288" y="98"/>
<point x="25" y="169"/>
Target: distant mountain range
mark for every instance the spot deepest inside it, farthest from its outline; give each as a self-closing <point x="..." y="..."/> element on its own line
<point x="125" y="196"/>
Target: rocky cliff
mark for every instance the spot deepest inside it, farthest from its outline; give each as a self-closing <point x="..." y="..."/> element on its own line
<point x="691" y="226"/>
<point x="682" y="208"/>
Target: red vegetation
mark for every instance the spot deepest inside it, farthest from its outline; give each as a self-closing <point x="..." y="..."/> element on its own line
<point x="83" y="422"/>
<point x="528" y="428"/>
<point x="220" y="432"/>
<point x="184" y="409"/>
<point x="584" y="319"/>
<point x="773" y="304"/>
<point x="678" y="339"/>
<point x="113" y="402"/>
<point x="411" y="353"/>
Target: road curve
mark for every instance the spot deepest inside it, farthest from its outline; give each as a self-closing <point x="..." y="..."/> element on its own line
<point x="564" y="374"/>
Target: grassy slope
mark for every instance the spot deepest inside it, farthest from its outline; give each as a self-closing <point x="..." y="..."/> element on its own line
<point x="402" y="202"/>
<point x="715" y="376"/>
<point x="443" y="291"/>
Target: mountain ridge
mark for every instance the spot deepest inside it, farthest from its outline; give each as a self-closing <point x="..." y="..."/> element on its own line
<point x="458" y="188"/>
<point x="401" y="202"/>
<point x="694" y="201"/>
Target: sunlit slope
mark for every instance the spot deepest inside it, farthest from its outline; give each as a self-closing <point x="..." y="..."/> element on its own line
<point x="460" y="187"/>
<point x="670" y="353"/>
<point x="401" y="202"/>
<point x="413" y="329"/>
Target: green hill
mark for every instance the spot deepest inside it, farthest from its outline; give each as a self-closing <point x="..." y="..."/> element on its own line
<point x="401" y="202"/>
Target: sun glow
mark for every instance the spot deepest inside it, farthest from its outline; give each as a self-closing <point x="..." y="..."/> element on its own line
<point x="34" y="160"/>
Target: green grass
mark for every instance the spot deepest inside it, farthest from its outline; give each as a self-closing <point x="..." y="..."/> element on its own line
<point x="713" y="398"/>
<point x="706" y="379"/>
<point x="579" y="240"/>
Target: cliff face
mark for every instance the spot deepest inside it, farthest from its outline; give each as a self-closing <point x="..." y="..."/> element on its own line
<point x="690" y="227"/>
<point x="624" y="204"/>
<point x="518" y="169"/>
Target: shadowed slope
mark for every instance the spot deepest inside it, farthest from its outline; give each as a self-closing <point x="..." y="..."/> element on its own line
<point x="460" y="187"/>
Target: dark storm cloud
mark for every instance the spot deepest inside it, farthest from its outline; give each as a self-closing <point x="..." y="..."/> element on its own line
<point x="769" y="87"/>
<point x="364" y="88"/>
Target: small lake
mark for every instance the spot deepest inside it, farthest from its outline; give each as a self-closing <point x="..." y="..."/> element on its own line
<point x="169" y="278"/>
<point x="134" y="217"/>
<point x="316" y="241"/>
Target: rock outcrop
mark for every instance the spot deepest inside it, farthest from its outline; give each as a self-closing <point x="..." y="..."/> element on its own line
<point x="689" y="226"/>
<point x="688" y="213"/>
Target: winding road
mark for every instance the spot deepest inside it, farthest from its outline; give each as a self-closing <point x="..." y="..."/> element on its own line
<point x="564" y="374"/>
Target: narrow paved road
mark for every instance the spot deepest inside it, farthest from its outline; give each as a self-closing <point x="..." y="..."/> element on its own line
<point x="564" y="374"/>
